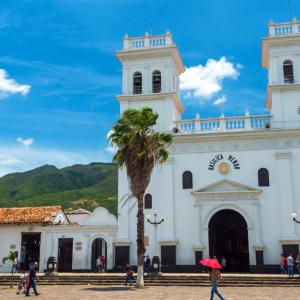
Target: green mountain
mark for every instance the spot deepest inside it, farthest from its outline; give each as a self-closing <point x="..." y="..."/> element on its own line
<point x="86" y="186"/>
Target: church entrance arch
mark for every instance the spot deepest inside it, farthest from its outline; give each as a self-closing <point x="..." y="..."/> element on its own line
<point x="99" y="248"/>
<point x="228" y="237"/>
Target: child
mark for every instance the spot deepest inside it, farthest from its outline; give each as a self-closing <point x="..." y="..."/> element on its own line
<point x="22" y="283"/>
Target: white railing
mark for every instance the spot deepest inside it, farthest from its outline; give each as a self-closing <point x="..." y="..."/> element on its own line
<point x="284" y="29"/>
<point x="147" y="41"/>
<point x="224" y="124"/>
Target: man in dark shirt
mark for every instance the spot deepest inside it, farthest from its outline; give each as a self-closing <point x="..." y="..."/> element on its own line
<point x="32" y="279"/>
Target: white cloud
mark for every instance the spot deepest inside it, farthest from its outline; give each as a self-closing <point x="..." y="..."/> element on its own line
<point x="220" y="101"/>
<point x="10" y="86"/>
<point x="111" y="148"/>
<point x="18" y="159"/>
<point x="204" y="81"/>
<point x="25" y="142"/>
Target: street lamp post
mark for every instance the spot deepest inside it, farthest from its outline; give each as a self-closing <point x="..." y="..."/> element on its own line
<point x="155" y="223"/>
<point x="294" y="217"/>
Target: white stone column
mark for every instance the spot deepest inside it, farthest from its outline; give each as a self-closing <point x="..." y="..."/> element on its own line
<point x="169" y="226"/>
<point x="125" y="86"/>
<point x="274" y="78"/>
<point x="222" y="123"/>
<point x="297" y="68"/>
<point x="123" y="206"/>
<point x="147" y="81"/>
<point x="87" y="250"/>
<point x="198" y="230"/>
<point x="285" y="195"/>
<point x="257" y="224"/>
<point x="109" y="254"/>
<point x="166" y="84"/>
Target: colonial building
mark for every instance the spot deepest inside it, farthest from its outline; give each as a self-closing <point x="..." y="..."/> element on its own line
<point x="230" y="183"/>
<point x="76" y="239"/>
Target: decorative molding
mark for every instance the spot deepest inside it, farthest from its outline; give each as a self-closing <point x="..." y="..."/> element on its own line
<point x="284" y="87"/>
<point x="226" y="190"/>
<point x="259" y="247"/>
<point x="153" y="97"/>
<point x="217" y="143"/>
<point x="289" y="241"/>
<point x="197" y="247"/>
<point x="122" y="242"/>
<point x="283" y="155"/>
<point x="168" y="242"/>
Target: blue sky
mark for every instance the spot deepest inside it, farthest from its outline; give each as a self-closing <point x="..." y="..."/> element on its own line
<point x="59" y="57"/>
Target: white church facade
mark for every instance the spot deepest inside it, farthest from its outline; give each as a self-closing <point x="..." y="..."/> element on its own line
<point x="230" y="183"/>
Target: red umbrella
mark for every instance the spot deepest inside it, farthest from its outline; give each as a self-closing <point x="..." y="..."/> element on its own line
<point x="211" y="263"/>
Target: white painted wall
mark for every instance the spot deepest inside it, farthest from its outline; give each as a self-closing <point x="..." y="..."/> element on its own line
<point x="99" y="224"/>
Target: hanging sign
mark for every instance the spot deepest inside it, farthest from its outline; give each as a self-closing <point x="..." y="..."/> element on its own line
<point x="219" y="157"/>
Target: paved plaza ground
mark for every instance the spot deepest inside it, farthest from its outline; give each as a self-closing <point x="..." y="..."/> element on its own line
<point x="95" y="292"/>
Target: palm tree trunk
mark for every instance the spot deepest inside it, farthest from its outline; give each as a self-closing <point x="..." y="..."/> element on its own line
<point x="140" y="243"/>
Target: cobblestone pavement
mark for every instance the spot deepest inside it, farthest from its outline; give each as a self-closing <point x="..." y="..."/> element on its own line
<point x="187" y="293"/>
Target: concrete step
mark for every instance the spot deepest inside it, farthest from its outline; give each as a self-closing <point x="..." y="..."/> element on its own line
<point x="164" y="280"/>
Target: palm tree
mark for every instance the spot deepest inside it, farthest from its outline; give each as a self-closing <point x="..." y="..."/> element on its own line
<point x="139" y="148"/>
<point x="11" y="257"/>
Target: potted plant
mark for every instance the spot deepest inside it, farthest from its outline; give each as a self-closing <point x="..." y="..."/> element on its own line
<point x="11" y="257"/>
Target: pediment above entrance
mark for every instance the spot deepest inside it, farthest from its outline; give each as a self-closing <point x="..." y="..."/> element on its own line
<point x="226" y="189"/>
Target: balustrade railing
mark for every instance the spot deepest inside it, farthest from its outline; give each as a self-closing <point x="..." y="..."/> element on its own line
<point x="224" y="124"/>
<point x="147" y="41"/>
<point x="284" y="29"/>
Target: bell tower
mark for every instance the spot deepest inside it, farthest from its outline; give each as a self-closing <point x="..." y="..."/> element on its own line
<point x="281" y="56"/>
<point x="151" y="66"/>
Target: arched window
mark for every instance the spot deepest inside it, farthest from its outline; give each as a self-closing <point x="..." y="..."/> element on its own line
<point x="156" y="82"/>
<point x="137" y="83"/>
<point x="187" y="180"/>
<point x="288" y="71"/>
<point x="148" y="201"/>
<point x="263" y="177"/>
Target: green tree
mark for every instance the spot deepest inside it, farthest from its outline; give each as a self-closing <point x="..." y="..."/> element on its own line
<point x="139" y="148"/>
<point x="11" y="257"/>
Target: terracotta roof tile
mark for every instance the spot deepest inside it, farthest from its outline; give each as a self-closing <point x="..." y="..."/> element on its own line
<point x="17" y="215"/>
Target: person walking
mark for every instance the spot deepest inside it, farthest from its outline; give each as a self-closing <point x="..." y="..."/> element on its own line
<point x="290" y="264"/>
<point x="214" y="276"/>
<point x="32" y="279"/>
<point x="282" y="264"/>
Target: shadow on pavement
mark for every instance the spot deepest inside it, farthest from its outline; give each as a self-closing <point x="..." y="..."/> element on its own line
<point x="110" y="289"/>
